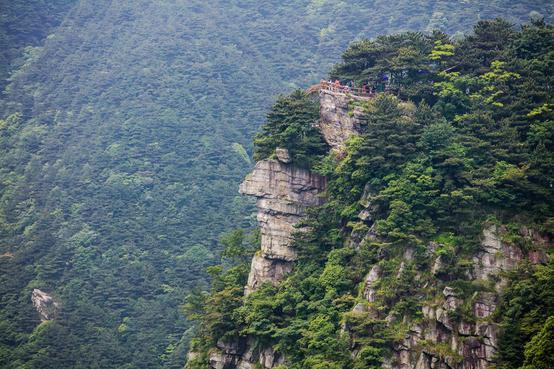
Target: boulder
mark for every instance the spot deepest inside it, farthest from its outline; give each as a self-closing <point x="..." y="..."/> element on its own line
<point x="45" y="305"/>
<point x="283" y="155"/>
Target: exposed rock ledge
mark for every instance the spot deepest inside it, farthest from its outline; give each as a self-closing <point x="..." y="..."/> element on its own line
<point x="339" y="117"/>
<point x="44" y="304"/>
<point x="284" y="192"/>
<point x="470" y="344"/>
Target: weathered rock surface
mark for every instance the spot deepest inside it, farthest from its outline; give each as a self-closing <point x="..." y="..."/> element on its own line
<point x="496" y="256"/>
<point x="265" y="269"/>
<point x="439" y="340"/>
<point x="284" y="192"/>
<point x="44" y="304"/>
<point x="244" y="354"/>
<point x="340" y="118"/>
<point x="369" y="292"/>
<point x="283" y="155"/>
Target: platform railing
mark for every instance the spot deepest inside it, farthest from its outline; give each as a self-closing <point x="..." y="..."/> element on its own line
<point x="364" y="91"/>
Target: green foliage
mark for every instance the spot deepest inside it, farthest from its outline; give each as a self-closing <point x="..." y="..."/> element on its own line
<point x="290" y="126"/>
<point x="387" y="143"/>
<point x="526" y="315"/>
<point x="397" y="62"/>
<point x="215" y="312"/>
<point x="441" y="51"/>
<point x="125" y="131"/>
<point x="24" y="25"/>
<point x="539" y="351"/>
<point x="428" y="177"/>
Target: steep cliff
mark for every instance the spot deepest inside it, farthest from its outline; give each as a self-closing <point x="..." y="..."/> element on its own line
<point x="340" y="117"/>
<point x="283" y="192"/>
<point x="453" y="331"/>
<point x="440" y="338"/>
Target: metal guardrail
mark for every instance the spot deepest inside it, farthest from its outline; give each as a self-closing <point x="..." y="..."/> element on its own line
<point x="355" y="91"/>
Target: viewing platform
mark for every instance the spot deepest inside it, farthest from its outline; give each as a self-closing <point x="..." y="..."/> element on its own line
<point x="339" y="118"/>
<point x="364" y="92"/>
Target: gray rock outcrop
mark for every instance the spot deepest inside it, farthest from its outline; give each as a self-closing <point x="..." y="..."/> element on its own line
<point x="340" y="117"/>
<point x="44" y="304"/>
<point x="283" y="155"/>
<point x="244" y="354"/>
<point x="496" y="256"/>
<point x="283" y="192"/>
<point x="439" y="340"/>
<point x="369" y="292"/>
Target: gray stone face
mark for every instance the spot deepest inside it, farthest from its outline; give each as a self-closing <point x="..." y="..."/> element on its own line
<point x="283" y="155"/>
<point x="369" y="292"/>
<point x="244" y="354"/>
<point x="496" y="256"/>
<point x="339" y="118"/>
<point x="283" y="192"/>
<point x="266" y="270"/>
<point x="44" y="304"/>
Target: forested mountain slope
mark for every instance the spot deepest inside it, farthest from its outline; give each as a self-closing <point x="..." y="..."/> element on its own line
<point x="434" y="244"/>
<point x="24" y="24"/>
<point x="123" y="140"/>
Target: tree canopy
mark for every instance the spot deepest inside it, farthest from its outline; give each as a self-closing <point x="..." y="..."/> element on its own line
<point x="465" y="145"/>
<point x="125" y="129"/>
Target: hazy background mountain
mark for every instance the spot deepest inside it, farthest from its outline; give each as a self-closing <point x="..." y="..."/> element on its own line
<point x="126" y="128"/>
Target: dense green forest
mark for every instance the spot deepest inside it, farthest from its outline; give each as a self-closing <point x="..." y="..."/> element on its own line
<point x="464" y="138"/>
<point x="24" y="24"/>
<point x="125" y="129"/>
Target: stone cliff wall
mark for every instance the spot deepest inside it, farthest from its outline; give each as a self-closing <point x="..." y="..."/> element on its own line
<point x="439" y="341"/>
<point x="283" y="192"/>
<point x="340" y="117"/>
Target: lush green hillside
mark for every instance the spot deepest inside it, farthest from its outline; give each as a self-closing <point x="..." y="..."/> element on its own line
<point x="123" y="140"/>
<point x="462" y="139"/>
<point x="25" y="24"/>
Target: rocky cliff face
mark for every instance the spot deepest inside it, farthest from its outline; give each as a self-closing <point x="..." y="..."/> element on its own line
<point x="340" y="117"/>
<point x="244" y="354"/>
<point x="444" y="338"/>
<point x="283" y="192"/>
<point x="440" y="340"/>
<point x="44" y="304"/>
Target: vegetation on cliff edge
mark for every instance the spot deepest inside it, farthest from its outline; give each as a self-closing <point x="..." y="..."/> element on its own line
<point x="465" y="140"/>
